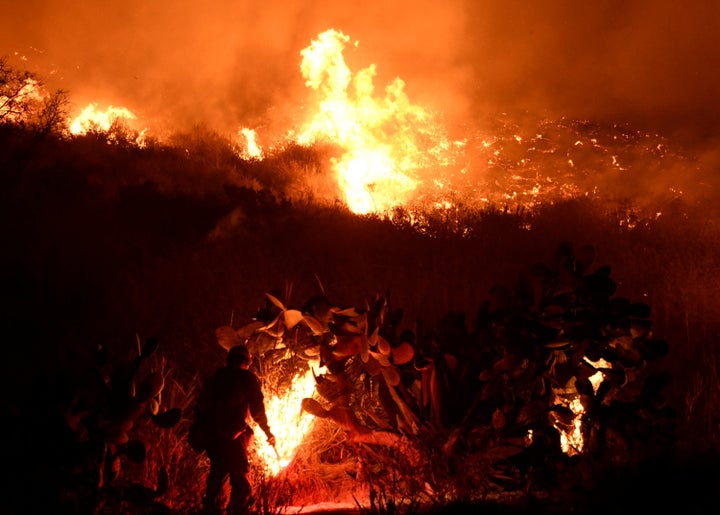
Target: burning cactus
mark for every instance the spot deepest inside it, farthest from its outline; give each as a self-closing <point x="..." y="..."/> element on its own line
<point x="556" y="369"/>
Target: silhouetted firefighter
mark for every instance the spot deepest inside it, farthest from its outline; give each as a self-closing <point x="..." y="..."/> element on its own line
<point x="227" y="400"/>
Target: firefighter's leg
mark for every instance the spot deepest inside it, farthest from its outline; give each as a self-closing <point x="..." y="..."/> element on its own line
<point x="240" y="496"/>
<point x="214" y="500"/>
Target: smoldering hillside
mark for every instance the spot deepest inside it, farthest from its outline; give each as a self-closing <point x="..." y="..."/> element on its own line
<point x="594" y="125"/>
<point x="108" y="243"/>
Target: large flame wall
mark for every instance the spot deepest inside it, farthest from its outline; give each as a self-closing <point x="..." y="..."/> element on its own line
<point x="185" y="62"/>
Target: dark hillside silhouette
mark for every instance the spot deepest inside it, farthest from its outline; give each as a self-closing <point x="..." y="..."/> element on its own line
<point x="112" y="244"/>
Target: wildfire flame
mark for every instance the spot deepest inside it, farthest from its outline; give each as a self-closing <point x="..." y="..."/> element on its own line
<point x="91" y="118"/>
<point x="386" y="141"/>
<point x="389" y="152"/>
<point x="251" y="148"/>
<point x="288" y="423"/>
<point x="571" y="438"/>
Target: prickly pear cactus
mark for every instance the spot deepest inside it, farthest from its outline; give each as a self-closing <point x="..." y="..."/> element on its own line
<point x="556" y="367"/>
<point x="104" y="419"/>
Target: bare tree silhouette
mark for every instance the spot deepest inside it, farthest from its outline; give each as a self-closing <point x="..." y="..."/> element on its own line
<point x="25" y="102"/>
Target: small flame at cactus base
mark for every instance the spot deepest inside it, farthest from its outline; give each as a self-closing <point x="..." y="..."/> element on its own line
<point x="287" y="422"/>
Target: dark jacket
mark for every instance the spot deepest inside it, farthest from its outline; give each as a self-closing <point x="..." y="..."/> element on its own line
<point x="226" y="400"/>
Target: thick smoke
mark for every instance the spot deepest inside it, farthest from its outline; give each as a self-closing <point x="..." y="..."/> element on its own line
<point x="224" y="63"/>
<point x="649" y="62"/>
<point x="233" y="63"/>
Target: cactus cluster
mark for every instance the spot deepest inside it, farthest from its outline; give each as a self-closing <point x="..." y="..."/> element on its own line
<point x="559" y="354"/>
<point x="102" y="418"/>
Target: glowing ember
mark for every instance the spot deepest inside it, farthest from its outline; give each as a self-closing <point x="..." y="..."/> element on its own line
<point x="598" y="376"/>
<point x="288" y="423"/>
<point x="571" y="440"/>
<point x="385" y="141"/>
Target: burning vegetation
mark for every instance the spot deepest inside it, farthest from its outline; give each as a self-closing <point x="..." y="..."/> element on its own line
<point x="25" y="102"/>
<point x="557" y="367"/>
<point x="382" y="154"/>
<point x="556" y="377"/>
<point x="556" y="384"/>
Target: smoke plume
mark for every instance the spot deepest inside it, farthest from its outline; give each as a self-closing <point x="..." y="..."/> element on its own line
<point x="232" y="63"/>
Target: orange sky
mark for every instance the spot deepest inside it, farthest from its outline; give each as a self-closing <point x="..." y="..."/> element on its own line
<point x="650" y="62"/>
